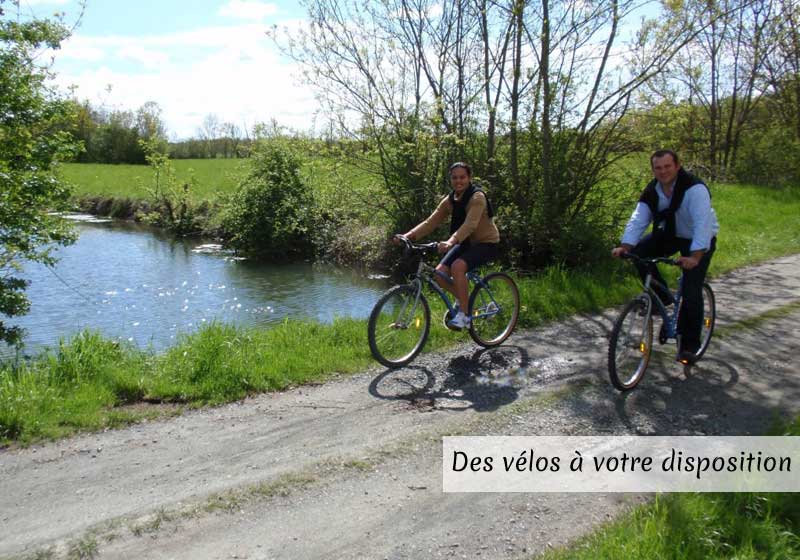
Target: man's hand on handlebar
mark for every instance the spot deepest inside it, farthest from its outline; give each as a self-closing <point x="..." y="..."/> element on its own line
<point x="687" y="263"/>
<point x="619" y="251"/>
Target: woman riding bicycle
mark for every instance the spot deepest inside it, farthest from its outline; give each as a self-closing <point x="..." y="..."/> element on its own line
<point x="473" y="237"/>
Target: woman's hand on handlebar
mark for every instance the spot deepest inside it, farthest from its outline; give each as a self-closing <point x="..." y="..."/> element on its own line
<point x="399" y="239"/>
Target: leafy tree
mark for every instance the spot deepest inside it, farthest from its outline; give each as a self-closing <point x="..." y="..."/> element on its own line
<point x="270" y="214"/>
<point x="533" y="94"/>
<point x="32" y="140"/>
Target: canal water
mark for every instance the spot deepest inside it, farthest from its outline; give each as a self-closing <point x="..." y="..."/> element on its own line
<point x="138" y="285"/>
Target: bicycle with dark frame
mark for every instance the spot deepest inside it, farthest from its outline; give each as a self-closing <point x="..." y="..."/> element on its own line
<point x="632" y="336"/>
<point x="400" y="322"/>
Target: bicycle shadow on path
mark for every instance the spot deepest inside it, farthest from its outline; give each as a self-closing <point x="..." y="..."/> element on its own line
<point x="485" y="381"/>
<point x="741" y="389"/>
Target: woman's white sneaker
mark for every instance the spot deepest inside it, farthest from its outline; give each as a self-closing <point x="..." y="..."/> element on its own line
<point x="460" y="321"/>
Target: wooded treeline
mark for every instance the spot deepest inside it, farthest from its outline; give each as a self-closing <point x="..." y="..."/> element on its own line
<point x="544" y="97"/>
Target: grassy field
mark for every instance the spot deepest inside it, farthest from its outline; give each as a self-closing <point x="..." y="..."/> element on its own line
<point x="692" y="526"/>
<point x="211" y="177"/>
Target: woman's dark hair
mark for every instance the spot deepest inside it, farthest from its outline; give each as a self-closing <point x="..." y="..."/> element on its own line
<point x="461" y="164"/>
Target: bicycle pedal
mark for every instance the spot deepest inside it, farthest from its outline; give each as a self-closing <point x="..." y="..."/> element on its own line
<point x="446" y="318"/>
<point x="662" y="335"/>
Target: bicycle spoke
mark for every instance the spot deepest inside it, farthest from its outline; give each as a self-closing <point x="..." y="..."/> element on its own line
<point x="398" y="326"/>
<point x="494" y="307"/>
<point x="630" y="345"/>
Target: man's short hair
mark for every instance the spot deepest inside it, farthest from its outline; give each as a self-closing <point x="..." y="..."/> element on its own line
<point x="662" y="153"/>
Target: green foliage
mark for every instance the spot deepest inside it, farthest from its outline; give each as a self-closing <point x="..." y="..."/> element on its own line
<point x="270" y="215"/>
<point x="670" y="125"/>
<point x="115" y="136"/>
<point x="172" y="205"/>
<point x="31" y="142"/>
<point x="769" y="156"/>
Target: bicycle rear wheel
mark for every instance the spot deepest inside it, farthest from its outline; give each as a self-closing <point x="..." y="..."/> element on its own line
<point x="630" y="345"/>
<point x="398" y="326"/>
<point x="494" y="309"/>
<point x="709" y="320"/>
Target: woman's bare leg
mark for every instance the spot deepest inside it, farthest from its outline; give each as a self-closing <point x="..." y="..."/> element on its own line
<point x="459" y="272"/>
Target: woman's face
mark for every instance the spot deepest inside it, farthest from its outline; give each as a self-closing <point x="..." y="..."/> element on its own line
<point x="459" y="179"/>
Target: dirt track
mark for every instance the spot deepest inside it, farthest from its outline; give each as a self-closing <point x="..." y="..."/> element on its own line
<point x="352" y="468"/>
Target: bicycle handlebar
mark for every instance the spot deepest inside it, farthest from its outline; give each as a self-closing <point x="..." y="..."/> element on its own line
<point x="409" y="246"/>
<point x="650" y="260"/>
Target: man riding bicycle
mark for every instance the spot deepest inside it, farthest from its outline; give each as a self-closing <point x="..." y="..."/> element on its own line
<point x="473" y="237"/>
<point x="679" y="206"/>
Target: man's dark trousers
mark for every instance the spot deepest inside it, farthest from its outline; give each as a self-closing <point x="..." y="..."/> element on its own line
<point x="690" y="321"/>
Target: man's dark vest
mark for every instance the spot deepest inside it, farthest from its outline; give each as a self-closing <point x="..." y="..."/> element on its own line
<point x="459" y="215"/>
<point x="664" y="221"/>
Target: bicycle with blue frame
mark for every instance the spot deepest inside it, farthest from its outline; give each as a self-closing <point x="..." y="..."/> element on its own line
<point x="632" y="336"/>
<point x="400" y="322"/>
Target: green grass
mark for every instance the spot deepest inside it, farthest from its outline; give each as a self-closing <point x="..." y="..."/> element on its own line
<point x="756" y="223"/>
<point x="331" y="180"/>
<point x="91" y="383"/>
<point x="213" y="176"/>
<point x="699" y="526"/>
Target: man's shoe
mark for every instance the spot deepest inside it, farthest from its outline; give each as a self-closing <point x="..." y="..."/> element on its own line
<point x="460" y="321"/>
<point x="686" y="357"/>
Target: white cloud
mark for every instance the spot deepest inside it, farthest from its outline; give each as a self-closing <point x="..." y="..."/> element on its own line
<point x="248" y="9"/>
<point x="148" y="58"/>
<point x="233" y="72"/>
<point x="82" y="49"/>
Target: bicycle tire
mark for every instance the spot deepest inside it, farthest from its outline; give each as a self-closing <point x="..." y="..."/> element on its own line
<point x="395" y="340"/>
<point x="709" y="320"/>
<point x="636" y="326"/>
<point x="494" y="329"/>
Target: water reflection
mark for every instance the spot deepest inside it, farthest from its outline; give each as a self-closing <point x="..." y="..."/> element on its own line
<point x="140" y="285"/>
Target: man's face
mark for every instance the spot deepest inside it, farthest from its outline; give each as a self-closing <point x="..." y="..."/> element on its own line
<point x="665" y="169"/>
<point x="459" y="179"/>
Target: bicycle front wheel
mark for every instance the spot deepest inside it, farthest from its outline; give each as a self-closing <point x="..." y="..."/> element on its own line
<point x="398" y="326"/>
<point x="709" y="320"/>
<point x="630" y="345"/>
<point x="494" y="309"/>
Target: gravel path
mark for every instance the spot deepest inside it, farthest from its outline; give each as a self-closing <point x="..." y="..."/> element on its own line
<point x="352" y="468"/>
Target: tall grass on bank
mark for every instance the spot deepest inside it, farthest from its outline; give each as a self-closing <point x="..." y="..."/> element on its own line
<point x="693" y="526"/>
<point x="698" y="526"/>
<point x="90" y="382"/>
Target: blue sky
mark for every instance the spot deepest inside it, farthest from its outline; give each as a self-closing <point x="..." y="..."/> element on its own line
<point x="192" y="57"/>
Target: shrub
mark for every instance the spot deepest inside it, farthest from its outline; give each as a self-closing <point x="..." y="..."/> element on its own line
<point x="270" y="214"/>
<point x="769" y="157"/>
